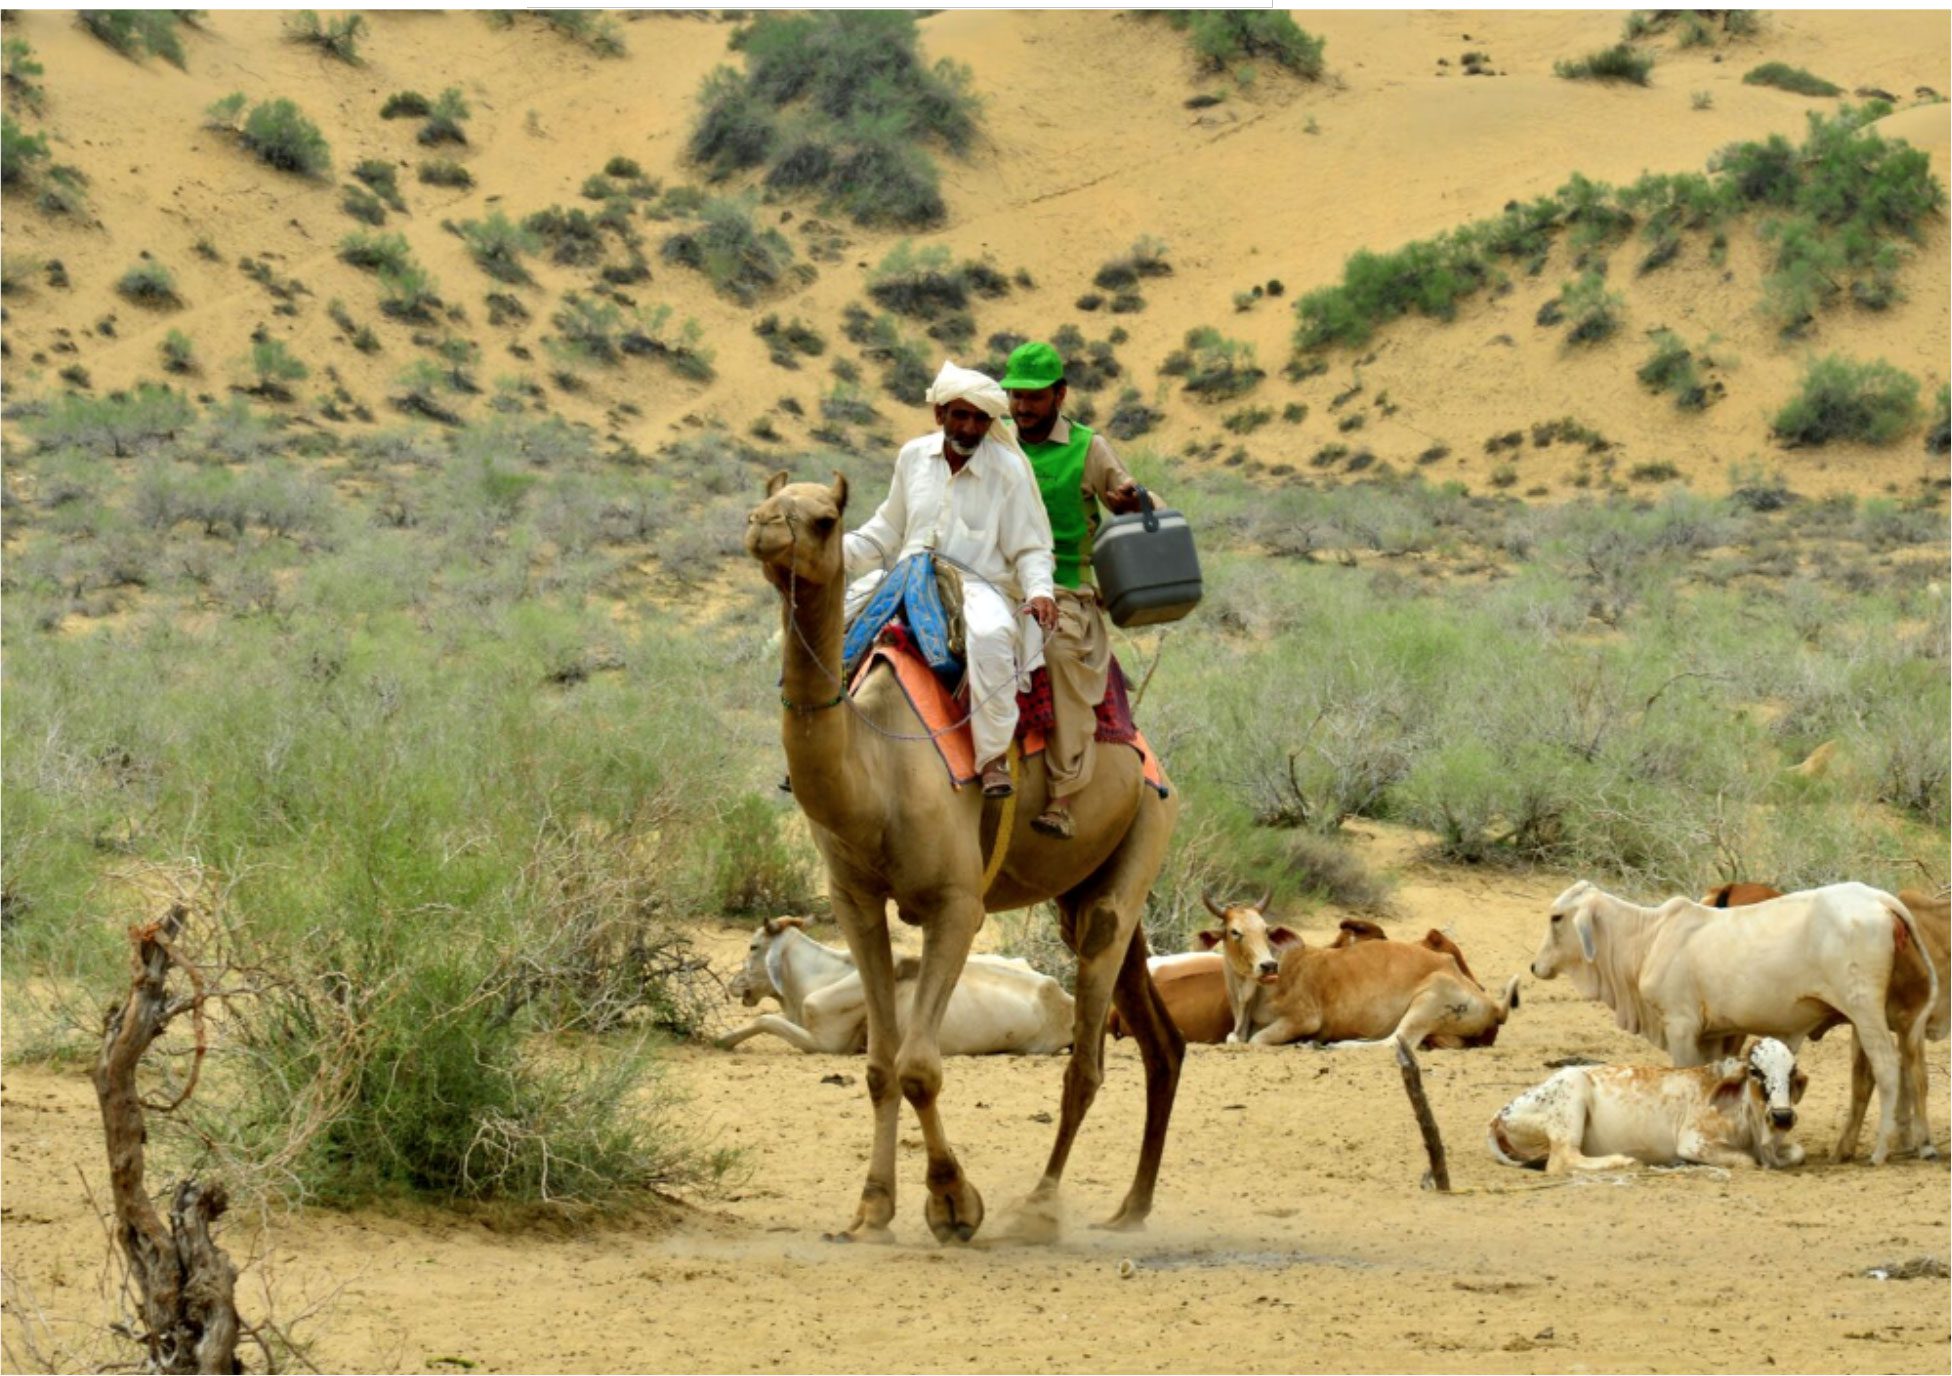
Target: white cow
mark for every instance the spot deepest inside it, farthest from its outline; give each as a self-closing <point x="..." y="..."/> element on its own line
<point x="999" y="1006"/>
<point x="1606" y="1117"/>
<point x="1694" y="980"/>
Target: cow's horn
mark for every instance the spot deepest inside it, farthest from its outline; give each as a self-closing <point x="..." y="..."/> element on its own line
<point x="1211" y="906"/>
<point x="1266" y="898"/>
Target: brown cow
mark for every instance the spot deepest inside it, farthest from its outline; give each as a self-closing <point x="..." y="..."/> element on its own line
<point x="1281" y="990"/>
<point x="1906" y="994"/>
<point x="1195" y="992"/>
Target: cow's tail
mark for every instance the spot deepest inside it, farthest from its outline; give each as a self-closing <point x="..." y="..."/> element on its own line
<point x="1915" y="1034"/>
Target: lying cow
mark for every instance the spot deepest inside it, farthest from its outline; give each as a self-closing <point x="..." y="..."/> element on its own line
<point x="1693" y="980"/>
<point x="998" y="1006"/>
<point x="1280" y="989"/>
<point x="1736" y="1112"/>
<point x="1195" y="994"/>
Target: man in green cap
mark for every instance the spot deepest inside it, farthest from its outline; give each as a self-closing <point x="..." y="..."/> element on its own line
<point x="1076" y="471"/>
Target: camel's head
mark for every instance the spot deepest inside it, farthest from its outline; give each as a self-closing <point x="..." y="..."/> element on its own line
<point x="1252" y="949"/>
<point x="796" y="531"/>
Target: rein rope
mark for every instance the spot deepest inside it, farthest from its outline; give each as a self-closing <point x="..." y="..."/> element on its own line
<point x="843" y="696"/>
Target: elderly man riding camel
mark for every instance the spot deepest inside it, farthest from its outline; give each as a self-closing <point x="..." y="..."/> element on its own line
<point x="967" y="494"/>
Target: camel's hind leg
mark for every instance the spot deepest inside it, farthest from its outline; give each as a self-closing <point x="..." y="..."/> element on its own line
<point x="1101" y="918"/>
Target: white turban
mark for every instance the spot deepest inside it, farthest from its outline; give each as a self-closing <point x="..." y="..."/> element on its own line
<point x="981" y="391"/>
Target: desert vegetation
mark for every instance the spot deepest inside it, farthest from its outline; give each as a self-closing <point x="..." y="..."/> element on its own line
<point x="838" y="104"/>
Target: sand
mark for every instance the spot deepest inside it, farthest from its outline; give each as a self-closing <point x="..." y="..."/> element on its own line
<point x="1290" y="1234"/>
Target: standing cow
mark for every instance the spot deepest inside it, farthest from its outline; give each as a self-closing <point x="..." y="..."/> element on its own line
<point x="1694" y="980"/>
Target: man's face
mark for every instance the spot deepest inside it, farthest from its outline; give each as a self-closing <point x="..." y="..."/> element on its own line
<point x="963" y="426"/>
<point x="1035" y="409"/>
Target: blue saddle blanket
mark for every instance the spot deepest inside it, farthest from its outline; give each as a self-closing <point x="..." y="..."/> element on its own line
<point x="911" y="594"/>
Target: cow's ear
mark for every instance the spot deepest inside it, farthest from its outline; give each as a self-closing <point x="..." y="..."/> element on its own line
<point x="778" y="924"/>
<point x="1582" y="924"/>
<point x="777" y="481"/>
<point x="1209" y="939"/>
<point x="1733" y="1082"/>
<point x="1799" y="1081"/>
<point x="1280" y="938"/>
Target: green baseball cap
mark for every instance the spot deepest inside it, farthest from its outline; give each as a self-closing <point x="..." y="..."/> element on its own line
<point x="1033" y="365"/>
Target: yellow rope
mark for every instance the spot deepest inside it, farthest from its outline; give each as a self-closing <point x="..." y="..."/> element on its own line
<point x="1000" y="846"/>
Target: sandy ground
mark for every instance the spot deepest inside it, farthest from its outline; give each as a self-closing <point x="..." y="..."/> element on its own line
<point x="1289" y="1234"/>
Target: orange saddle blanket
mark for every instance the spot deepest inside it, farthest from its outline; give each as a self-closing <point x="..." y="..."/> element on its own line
<point x="939" y="709"/>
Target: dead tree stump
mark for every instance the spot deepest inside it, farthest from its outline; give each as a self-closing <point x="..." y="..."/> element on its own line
<point x="1433" y="1145"/>
<point x="180" y="1280"/>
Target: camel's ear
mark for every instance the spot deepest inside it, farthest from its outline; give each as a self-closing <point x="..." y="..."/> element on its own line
<point x="840" y="491"/>
<point x="1281" y="938"/>
<point x="1208" y="940"/>
<point x="777" y="481"/>
<point x="1582" y="924"/>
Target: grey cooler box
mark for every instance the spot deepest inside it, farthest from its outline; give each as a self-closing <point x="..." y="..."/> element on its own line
<point x="1145" y="566"/>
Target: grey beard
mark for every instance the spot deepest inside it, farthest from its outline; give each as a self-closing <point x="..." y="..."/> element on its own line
<point x="961" y="450"/>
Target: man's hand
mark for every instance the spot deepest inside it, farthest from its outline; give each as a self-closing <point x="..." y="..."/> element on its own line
<point x="1043" y="611"/>
<point x="1125" y="497"/>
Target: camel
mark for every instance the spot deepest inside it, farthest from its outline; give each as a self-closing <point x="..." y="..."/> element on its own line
<point x="890" y="825"/>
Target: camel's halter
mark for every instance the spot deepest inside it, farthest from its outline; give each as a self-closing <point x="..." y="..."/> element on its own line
<point x="842" y="696"/>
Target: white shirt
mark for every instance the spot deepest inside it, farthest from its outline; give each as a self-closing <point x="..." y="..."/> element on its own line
<point x="990" y="517"/>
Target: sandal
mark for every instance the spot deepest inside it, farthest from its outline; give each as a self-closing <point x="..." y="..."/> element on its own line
<point x="996" y="779"/>
<point x="1054" y="822"/>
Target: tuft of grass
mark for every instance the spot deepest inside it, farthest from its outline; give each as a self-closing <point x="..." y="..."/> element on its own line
<point x="273" y="366"/>
<point x="1674" y="367"/>
<point x="1621" y="62"/>
<point x="1938" y="435"/>
<point x="1589" y="308"/>
<point x="1865" y="403"/>
<point x="444" y="118"/>
<point x="1214" y="367"/>
<point x="1146" y="258"/>
<point x="408" y="292"/>
<point x="337" y="38"/>
<point x="17" y="72"/>
<point x="19" y="152"/>
<point x="383" y="178"/>
<point x="376" y="252"/>
<point x="1787" y="78"/>
<point x="179" y="354"/>
<point x="149" y="283"/>
<point x="446" y="172"/>
<point x="406" y="105"/>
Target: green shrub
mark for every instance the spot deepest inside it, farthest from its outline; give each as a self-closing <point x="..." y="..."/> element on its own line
<point x="1221" y="39"/>
<point x="362" y="205"/>
<point x="406" y="105"/>
<point x="593" y="29"/>
<point x="282" y="137"/>
<point x="272" y="364"/>
<point x="838" y="102"/>
<point x="122" y="425"/>
<point x="1589" y="308"/>
<point x="335" y="37"/>
<point x="754" y="871"/>
<point x="376" y="252"/>
<point x="1429" y="277"/>
<point x="18" y="74"/>
<point x="19" y="151"/>
<point x="135" y="32"/>
<point x="149" y="283"/>
<point x="444" y="120"/>
<point x="446" y="172"/>
<point x="1672" y="367"/>
<point x="785" y="341"/>
<point x="1788" y="78"/>
<point x="1868" y="403"/>
<point x="1214" y="367"/>
<point x="179" y="355"/>
<point x="1617" y="63"/>
<point x="921" y="284"/>
<point x="1147" y="258"/>
<point x="1938" y="435"/>
<point x="408" y="292"/>
<point x="742" y="260"/>
<point x="498" y="245"/>
<point x="382" y="177"/>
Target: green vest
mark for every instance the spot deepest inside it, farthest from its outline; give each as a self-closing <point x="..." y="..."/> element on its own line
<point x="1074" y="516"/>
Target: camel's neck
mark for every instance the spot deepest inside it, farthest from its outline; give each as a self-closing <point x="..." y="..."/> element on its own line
<point x="819" y="738"/>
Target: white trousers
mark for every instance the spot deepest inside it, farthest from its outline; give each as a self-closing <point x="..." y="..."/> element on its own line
<point x="993" y="634"/>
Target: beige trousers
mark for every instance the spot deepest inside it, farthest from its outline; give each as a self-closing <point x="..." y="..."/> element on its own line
<point x="1078" y="655"/>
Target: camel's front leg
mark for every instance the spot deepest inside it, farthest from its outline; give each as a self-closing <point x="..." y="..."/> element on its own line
<point x="865" y="925"/>
<point x="955" y="1209"/>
